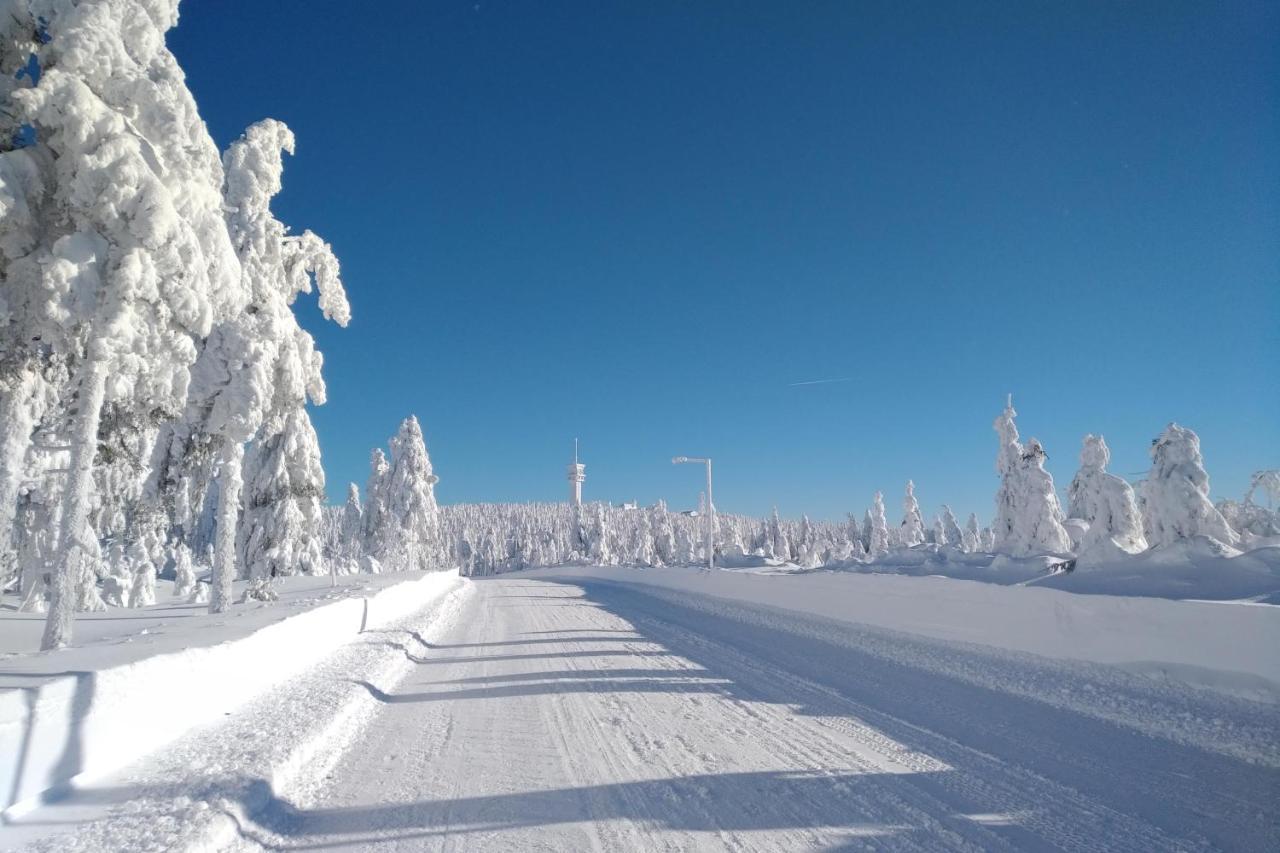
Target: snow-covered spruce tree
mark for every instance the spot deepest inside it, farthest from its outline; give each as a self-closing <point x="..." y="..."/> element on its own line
<point x="184" y="574"/>
<point x="972" y="537"/>
<point x="402" y="519"/>
<point x="664" y="534"/>
<point x="1176" y="493"/>
<point x="129" y="247"/>
<point x="1106" y="502"/>
<point x="349" y="530"/>
<point x="374" y="522"/>
<point x="911" y="531"/>
<point x="952" y="535"/>
<point x="599" y="537"/>
<point x="853" y="534"/>
<point x="779" y="542"/>
<point x="879" y="539"/>
<point x="1028" y="517"/>
<point x="262" y="366"/>
<point x="279" y="531"/>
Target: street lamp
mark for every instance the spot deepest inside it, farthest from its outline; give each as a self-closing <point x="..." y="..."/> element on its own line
<point x="711" y="507"/>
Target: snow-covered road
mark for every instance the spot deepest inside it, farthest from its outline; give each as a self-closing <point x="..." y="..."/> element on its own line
<point x="587" y="714"/>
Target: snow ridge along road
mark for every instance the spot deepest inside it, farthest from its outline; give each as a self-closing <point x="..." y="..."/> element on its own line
<point x="585" y="714"/>
<point x="196" y="792"/>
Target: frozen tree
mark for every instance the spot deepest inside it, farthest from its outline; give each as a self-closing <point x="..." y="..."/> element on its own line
<point x="184" y="575"/>
<point x="142" y="591"/>
<point x="806" y="545"/>
<point x="375" y="524"/>
<point x="1176" y="493"/>
<point x="119" y="268"/>
<point x="1251" y="519"/>
<point x="410" y="494"/>
<point x="349" y="529"/>
<point x="264" y="367"/>
<point x="598" y="537"/>
<point x="1028" y="516"/>
<point x="401" y="516"/>
<point x="950" y="534"/>
<point x="1268" y="482"/>
<point x="972" y="536"/>
<point x="779" y="543"/>
<point x="279" y="532"/>
<point x="879" y="538"/>
<point x="911" y="531"/>
<point x="664" y="535"/>
<point x="1105" y="502"/>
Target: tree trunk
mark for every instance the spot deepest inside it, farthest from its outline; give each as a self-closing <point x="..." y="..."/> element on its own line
<point x="230" y="480"/>
<point x="75" y="505"/>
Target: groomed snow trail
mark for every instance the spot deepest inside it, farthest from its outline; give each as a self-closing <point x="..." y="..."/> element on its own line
<point x="589" y="715"/>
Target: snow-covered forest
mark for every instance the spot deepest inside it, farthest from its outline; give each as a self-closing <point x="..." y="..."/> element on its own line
<point x="154" y="382"/>
<point x="1106" y="519"/>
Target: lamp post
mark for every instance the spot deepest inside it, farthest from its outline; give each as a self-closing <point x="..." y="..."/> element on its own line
<point x="711" y="507"/>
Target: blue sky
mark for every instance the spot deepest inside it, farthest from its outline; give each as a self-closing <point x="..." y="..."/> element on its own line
<point x="641" y="223"/>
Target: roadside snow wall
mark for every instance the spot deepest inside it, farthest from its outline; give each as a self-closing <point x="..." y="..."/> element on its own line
<point x="84" y="724"/>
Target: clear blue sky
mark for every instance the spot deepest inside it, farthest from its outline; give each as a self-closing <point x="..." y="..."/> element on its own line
<point x="639" y="223"/>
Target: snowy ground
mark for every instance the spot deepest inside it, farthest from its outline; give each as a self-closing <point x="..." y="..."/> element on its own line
<point x="582" y="710"/>
<point x="120" y="634"/>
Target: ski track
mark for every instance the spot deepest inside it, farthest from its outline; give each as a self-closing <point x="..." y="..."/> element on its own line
<point x="591" y="715"/>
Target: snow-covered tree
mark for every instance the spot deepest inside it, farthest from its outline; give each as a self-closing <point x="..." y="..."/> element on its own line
<point x="279" y="531"/>
<point x="119" y="264"/>
<point x="972" y="540"/>
<point x="1175" y="494"/>
<point x="1028" y="517"/>
<point x="951" y="534"/>
<point x="375" y="522"/>
<point x="142" y="590"/>
<point x="401" y="517"/>
<point x="779" y="543"/>
<point x="349" y="530"/>
<point x="879" y="538"/>
<point x="1106" y="503"/>
<point x="911" y="531"/>
<point x="664" y="534"/>
<point x="599" y="539"/>
<point x="269" y="362"/>
<point x="1250" y="519"/>
<point x="184" y="575"/>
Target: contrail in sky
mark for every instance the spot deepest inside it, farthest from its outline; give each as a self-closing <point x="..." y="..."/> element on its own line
<point x="819" y="381"/>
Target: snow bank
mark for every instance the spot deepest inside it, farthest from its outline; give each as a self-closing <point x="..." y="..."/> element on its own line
<point x="74" y="724"/>
<point x="1198" y="568"/>
<point x="1229" y="647"/>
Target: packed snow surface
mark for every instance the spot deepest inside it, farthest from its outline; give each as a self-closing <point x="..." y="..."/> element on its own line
<point x="608" y="709"/>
